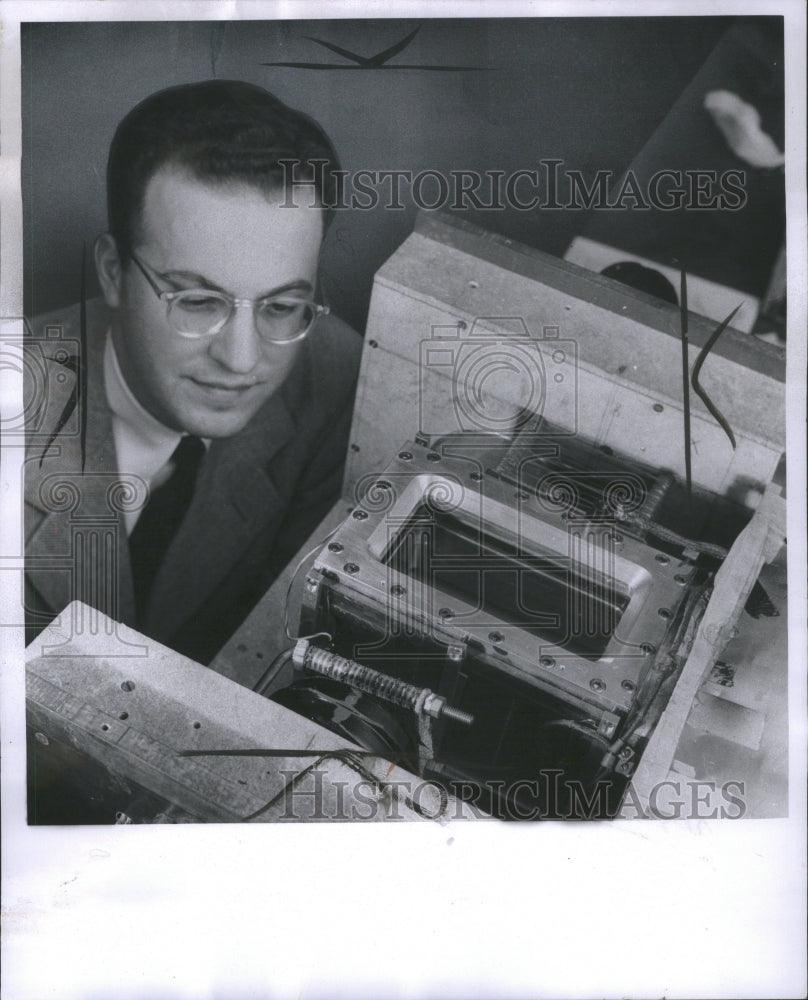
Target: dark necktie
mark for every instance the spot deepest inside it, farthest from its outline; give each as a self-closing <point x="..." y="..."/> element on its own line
<point x="161" y="517"/>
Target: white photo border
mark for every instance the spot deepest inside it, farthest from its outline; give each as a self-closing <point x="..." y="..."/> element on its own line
<point x="686" y="909"/>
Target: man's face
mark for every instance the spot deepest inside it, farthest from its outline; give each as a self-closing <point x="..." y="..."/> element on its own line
<point x="230" y="237"/>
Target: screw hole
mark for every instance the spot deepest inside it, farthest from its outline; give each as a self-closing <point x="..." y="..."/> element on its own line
<point x="197" y="725"/>
<point x="547" y="661"/>
<point x="662" y="559"/>
<point x="658" y="407"/>
<point x="128" y="686"/>
<point x="104" y="728"/>
<point x="123" y="716"/>
<point x="496" y="636"/>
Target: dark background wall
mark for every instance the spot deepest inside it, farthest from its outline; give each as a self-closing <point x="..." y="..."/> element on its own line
<point x="588" y="91"/>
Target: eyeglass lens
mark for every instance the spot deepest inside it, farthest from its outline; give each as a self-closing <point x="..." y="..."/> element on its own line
<point x="196" y="314"/>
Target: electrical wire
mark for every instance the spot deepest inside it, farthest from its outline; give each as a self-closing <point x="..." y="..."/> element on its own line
<point x="702" y="392"/>
<point x="293" y="579"/>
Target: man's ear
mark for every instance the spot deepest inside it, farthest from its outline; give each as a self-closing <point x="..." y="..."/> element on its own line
<point x="109" y="269"/>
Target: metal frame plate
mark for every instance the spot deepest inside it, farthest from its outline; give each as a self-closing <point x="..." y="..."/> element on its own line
<point x="654" y="582"/>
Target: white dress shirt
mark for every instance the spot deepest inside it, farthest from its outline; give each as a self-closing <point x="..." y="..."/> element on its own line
<point x="143" y="446"/>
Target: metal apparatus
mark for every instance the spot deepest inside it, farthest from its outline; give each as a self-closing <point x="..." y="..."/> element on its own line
<point x="547" y="592"/>
<point x="421" y="701"/>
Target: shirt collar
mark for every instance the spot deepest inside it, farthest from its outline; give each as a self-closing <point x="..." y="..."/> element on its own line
<point x="142" y="444"/>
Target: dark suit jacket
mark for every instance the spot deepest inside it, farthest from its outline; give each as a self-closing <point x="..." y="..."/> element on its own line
<point x="258" y="497"/>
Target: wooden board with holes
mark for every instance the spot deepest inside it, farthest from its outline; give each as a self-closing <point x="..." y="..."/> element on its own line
<point x="136" y="708"/>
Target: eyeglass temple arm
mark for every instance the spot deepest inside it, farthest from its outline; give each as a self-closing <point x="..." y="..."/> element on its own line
<point x="147" y="276"/>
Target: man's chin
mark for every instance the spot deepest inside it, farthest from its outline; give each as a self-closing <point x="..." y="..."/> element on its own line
<point x="216" y="423"/>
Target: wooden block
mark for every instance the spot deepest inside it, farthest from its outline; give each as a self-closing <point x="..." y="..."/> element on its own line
<point x="719" y="717"/>
<point x="758" y="543"/>
<point x="137" y="715"/>
<point x="451" y="285"/>
<point x="679" y="769"/>
<point x="707" y="298"/>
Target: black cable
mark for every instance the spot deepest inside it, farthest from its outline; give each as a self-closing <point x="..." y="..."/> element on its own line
<point x="576" y="727"/>
<point x="284" y="656"/>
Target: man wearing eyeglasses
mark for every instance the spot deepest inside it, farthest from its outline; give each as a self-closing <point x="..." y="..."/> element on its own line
<point x="218" y="389"/>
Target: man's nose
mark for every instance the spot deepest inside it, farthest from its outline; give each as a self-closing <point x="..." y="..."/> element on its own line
<point x="237" y="346"/>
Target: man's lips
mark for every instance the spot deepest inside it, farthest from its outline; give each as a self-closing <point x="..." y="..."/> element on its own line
<point x="234" y="388"/>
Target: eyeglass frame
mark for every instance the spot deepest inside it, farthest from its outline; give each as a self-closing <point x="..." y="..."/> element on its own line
<point x="167" y="297"/>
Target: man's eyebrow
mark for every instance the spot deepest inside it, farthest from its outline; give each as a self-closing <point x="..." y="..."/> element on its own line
<point x="200" y="281"/>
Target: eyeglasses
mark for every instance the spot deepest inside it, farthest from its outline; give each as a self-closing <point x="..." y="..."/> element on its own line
<point x="203" y="312"/>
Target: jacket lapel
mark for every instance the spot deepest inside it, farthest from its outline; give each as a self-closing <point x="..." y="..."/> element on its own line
<point x="234" y="502"/>
<point x="76" y="544"/>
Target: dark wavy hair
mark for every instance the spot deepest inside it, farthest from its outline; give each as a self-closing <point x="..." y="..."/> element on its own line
<point x="219" y="131"/>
